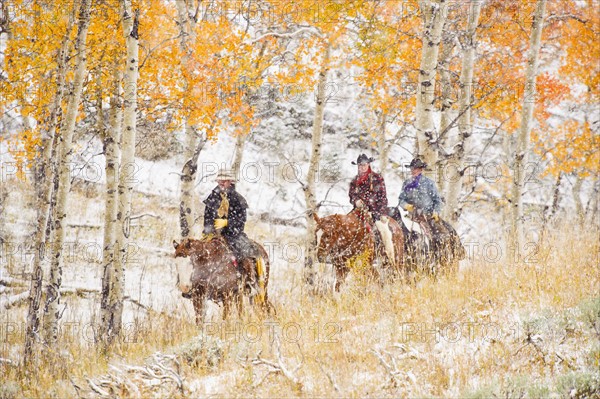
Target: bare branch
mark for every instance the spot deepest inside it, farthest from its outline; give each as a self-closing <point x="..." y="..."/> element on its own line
<point x="392" y="371"/>
<point x="290" y="35"/>
<point x="152" y="215"/>
<point x="278" y="366"/>
<point x="329" y="377"/>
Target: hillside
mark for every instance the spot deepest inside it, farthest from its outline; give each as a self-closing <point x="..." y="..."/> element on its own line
<point x="527" y="330"/>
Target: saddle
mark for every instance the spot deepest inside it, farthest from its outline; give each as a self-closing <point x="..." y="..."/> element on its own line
<point x="382" y="234"/>
<point x="440" y="233"/>
<point x="250" y="264"/>
<point x="416" y="224"/>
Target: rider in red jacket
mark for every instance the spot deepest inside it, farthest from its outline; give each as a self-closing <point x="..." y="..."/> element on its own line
<point x="367" y="189"/>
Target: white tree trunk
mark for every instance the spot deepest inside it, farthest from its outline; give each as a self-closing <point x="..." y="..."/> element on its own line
<point x="434" y="14"/>
<point x="51" y="312"/>
<point x="44" y="176"/>
<point x="3" y="197"/>
<point x="114" y="289"/>
<point x="446" y="117"/>
<point x="315" y="158"/>
<point x="112" y="139"/>
<point x="384" y="149"/>
<point x="240" y="143"/>
<point x="576" y="190"/>
<point x="454" y="171"/>
<point x="188" y="172"/>
<point x="5" y="29"/>
<point x="5" y="36"/>
<point x="595" y="199"/>
<point x="516" y="231"/>
<point x="186" y="188"/>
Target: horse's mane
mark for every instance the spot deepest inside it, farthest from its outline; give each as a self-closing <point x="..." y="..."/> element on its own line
<point x="192" y="245"/>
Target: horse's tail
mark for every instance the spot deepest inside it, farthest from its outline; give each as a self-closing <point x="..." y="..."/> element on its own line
<point x="261" y="272"/>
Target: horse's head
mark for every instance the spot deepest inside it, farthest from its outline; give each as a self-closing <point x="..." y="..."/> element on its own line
<point x="209" y="259"/>
<point x="183" y="249"/>
<point x="183" y="266"/>
<point x="205" y="249"/>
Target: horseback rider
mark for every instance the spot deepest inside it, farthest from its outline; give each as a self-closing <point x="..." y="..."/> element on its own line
<point x="421" y="199"/>
<point x="367" y="192"/>
<point x="419" y="193"/>
<point x="225" y="214"/>
<point x="367" y="189"/>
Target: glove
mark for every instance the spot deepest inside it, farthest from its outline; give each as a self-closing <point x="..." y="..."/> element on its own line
<point x="409" y="207"/>
<point x="220" y="223"/>
<point x="359" y="204"/>
<point x="436" y="216"/>
<point x="207" y="237"/>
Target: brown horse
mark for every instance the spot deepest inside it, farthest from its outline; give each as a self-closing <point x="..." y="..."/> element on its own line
<point x="424" y="252"/>
<point x="343" y="237"/>
<point x="216" y="277"/>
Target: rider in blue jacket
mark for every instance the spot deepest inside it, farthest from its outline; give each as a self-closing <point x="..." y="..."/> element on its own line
<point x="421" y="199"/>
<point x="419" y="193"/>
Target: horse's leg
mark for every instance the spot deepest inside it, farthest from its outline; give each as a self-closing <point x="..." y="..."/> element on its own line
<point x="226" y="306"/>
<point x="198" y="302"/>
<point x="239" y="301"/>
<point x="268" y="306"/>
<point x="341" y="271"/>
<point x="445" y="248"/>
<point x="454" y="248"/>
<point x="376" y="273"/>
<point x="451" y="259"/>
<point x="398" y="242"/>
<point x="249" y="278"/>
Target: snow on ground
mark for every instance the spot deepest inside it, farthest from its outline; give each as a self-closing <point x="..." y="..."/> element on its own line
<point x="151" y="274"/>
<point x="268" y="180"/>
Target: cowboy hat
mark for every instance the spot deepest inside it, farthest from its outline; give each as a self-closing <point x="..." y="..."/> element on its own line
<point x="417" y="163"/>
<point x="362" y="158"/>
<point x="226" y="174"/>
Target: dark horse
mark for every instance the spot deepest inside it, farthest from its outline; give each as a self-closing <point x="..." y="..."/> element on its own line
<point x="426" y="253"/>
<point x="215" y="275"/>
<point x="343" y="237"/>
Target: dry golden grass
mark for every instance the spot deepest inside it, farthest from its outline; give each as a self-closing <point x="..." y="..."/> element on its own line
<point x="527" y="330"/>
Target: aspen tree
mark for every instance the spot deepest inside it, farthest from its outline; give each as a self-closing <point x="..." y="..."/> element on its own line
<point x="434" y="18"/>
<point x="114" y="290"/>
<point x="465" y="123"/>
<point x="521" y="155"/>
<point x="51" y="311"/>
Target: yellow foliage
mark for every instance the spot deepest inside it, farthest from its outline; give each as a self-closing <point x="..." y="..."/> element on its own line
<point x="213" y="82"/>
<point x="573" y="147"/>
